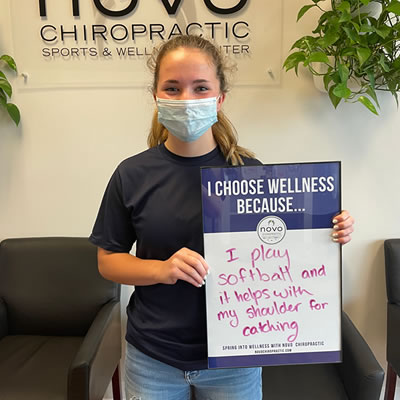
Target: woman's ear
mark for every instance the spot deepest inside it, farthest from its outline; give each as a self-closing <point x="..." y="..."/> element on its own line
<point x="220" y="100"/>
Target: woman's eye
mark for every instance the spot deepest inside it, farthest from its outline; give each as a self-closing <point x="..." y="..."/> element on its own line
<point x="171" y="89"/>
<point x="202" y="89"/>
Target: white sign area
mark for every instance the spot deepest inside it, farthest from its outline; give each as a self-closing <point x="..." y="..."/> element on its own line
<point x="266" y="300"/>
<point x="107" y="42"/>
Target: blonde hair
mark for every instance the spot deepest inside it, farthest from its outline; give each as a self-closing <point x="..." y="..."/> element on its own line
<point x="224" y="133"/>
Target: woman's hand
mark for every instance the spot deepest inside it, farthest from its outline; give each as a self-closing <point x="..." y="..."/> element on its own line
<point x="185" y="265"/>
<point x="343" y="227"/>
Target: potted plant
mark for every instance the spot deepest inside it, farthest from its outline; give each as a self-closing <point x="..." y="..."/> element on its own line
<point x="6" y="89"/>
<point x="359" y="49"/>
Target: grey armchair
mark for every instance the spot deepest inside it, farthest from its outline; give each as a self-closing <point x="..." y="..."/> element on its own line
<point x="392" y="266"/>
<point x="60" y="328"/>
<point x="358" y="377"/>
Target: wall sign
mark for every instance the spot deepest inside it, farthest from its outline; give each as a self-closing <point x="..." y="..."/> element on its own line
<point x="106" y="42"/>
<point x="274" y="291"/>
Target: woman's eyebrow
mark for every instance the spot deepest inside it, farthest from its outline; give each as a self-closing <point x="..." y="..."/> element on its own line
<point x="195" y="81"/>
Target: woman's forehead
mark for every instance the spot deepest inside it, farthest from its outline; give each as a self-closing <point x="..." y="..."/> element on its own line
<point x="187" y="60"/>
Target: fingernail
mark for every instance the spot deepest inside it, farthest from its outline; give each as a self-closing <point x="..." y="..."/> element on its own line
<point x="335" y="235"/>
<point x="204" y="282"/>
<point x="335" y="240"/>
<point x="335" y="221"/>
<point x="335" y="226"/>
<point x="208" y="272"/>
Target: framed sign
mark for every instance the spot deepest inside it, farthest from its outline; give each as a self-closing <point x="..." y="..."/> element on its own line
<point x="274" y="291"/>
<point x="106" y="43"/>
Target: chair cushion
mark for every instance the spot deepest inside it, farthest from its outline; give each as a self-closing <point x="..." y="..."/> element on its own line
<point x="303" y="382"/>
<point x="36" y="367"/>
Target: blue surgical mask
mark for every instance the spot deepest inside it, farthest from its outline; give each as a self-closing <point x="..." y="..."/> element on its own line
<point x="187" y="119"/>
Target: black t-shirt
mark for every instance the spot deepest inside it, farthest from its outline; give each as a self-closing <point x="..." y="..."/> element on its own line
<point x="154" y="198"/>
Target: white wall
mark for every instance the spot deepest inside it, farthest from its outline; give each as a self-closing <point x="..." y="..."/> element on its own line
<point x="54" y="167"/>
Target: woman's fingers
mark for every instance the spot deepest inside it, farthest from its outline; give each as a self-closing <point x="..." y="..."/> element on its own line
<point x="343" y="227"/>
<point x="187" y="265"/>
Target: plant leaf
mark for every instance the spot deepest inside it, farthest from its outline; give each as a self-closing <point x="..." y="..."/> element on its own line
<point x="394" y="7"/>
<point x="303" y="10"/>
<point x="344" y="7"/>
<point x="351" y="34"/>
<point x="341" y="90"/>
<point x="318" y="56"/>
<point x="366" y="28"/>
<point x="2" y="75"/>
<point x="392" y="85"/>
<point x="331" y="37"/>
<point x="371" y="92"/>
<point x="14" y="113"/>
<point x="302" y="42"/>
<point x="367" y="103"/>
<point x="3" y="98"/>
<point x="294" y="59"/>
<point x="356" y="26"/>
<point x="336" y="77"/>
<point x="345" y="17"/>
<point x="10" y="61"/>
<point x="365" y="2"/>
<point x="371" y="78"/>
<point x="382" y="63"/>
<point x="298" y="44"/>
<point x="363" y="54"/>
<point x="347" y="51"/>
<point x="5" y="85"/>
<point x="343" y="72"/>
<point x="334" y="99"/>
<point x="383" y="31"/>
<point x="397" y="98"/>
<point x="327" y="79"/>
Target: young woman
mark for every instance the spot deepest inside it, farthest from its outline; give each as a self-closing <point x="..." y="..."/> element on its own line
<point x="154" y="199"/>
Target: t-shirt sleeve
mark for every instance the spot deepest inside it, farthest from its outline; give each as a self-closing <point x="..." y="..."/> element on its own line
<point x="113" y="229"/>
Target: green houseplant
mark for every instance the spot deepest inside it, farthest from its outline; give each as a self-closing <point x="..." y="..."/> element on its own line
<point x="359" y="49"/>
<point x="6" y="89"/>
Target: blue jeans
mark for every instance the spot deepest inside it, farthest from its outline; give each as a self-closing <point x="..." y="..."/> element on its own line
<point x="149" y="379"/>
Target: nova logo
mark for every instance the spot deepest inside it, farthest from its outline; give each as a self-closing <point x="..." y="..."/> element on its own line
<point x="271" y="230"/>
<point x="170" y="8"/>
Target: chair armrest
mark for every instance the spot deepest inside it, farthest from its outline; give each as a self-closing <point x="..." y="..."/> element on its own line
<point x="393" y="329"/>
<point x="97" y="358"/>
<point x="3" y="319"/>
<point x="392" y="271"/>
<point x="360" y="372"/>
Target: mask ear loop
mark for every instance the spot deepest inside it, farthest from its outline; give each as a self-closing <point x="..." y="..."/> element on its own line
<point x="219" y="101"/>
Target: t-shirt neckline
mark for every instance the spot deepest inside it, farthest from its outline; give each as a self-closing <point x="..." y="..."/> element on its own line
<point x="198" y="160"/>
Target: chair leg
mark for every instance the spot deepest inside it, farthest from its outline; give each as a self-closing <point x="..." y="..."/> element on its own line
<point x="116" y="384"/>
<point x="391" y="378"/>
